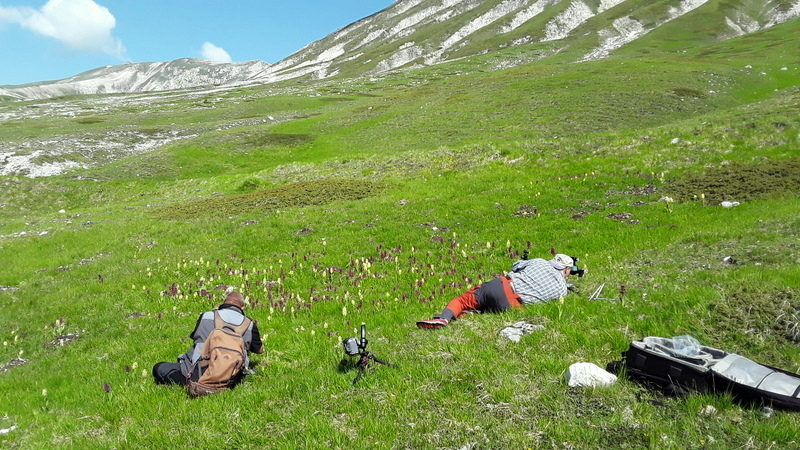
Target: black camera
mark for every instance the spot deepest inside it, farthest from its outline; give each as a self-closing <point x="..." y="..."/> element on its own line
<point x="355" y="346"/>
<point x="575" y="270"/>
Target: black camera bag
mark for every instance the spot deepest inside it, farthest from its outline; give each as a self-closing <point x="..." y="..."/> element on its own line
<point x="668" y="365"/>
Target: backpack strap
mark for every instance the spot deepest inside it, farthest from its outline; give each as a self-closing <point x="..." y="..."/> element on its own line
<point x="221" y="324"/>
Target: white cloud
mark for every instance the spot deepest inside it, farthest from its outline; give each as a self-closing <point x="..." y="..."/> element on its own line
<point x="80" y="25"/>
<point x="213" y="53"/>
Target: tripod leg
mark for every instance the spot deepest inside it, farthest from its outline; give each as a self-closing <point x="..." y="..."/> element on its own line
<point x="380" y="361"/>
<point x="360" y="373"/>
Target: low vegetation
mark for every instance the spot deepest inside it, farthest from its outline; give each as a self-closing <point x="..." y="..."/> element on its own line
<point x="375" y="201"/>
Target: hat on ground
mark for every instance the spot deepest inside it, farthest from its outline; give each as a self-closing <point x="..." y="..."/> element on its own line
<point x="561" y="261"/>
<point x="235" y="299"/>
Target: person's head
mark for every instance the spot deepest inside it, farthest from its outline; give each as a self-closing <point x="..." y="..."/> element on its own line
<point x="562" y="263"/>
<point x="235" y="299"/>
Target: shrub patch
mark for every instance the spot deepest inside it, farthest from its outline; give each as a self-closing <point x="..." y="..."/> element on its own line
<point x="759" y="313"/>
<point x="737" y="181"/>
<point x="279" y="140"/>
<point x="305" y="193"/>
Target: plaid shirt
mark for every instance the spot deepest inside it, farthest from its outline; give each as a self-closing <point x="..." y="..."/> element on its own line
<point x="536" y="281"/>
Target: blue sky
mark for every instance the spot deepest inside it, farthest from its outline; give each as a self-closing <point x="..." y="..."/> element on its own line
<point x="54" y="39"/>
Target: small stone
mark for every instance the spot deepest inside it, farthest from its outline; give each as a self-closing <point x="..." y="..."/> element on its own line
<point x="515" y="332"/>
<point x="589" y="375"/>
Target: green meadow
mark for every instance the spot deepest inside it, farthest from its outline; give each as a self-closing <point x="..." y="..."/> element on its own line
<point x="376" y="200"/>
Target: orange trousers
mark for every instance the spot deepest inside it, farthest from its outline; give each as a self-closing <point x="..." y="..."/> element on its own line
<point x="493" y="296"/>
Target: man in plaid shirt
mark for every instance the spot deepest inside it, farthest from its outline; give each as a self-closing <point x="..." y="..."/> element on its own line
<point x="530" y="281"/>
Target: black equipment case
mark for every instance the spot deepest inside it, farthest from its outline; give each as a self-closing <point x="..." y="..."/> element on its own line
<point x="680" y="366"/>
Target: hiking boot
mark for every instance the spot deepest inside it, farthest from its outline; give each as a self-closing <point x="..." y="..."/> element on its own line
<point x="432" y="324"/>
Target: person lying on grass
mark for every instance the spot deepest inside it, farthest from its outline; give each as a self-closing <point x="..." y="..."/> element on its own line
<point x="231" y="311"/>
<point x="530" y="281"/>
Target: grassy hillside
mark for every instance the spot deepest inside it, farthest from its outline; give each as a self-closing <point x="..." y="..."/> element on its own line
<point x="334" y="203"/>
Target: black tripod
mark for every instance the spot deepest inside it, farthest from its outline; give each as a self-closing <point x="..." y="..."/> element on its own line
<point x="356" y="347"/>
<point x="363" y="362"/>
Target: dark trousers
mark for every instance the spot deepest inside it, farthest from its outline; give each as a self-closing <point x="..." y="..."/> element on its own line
<point x="168" y="373"/>
<point x="493" y="296"/>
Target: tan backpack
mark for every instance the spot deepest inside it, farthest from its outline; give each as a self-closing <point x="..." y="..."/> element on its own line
<point x="223" y="358"/>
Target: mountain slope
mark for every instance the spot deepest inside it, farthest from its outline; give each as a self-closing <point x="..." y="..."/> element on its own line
<point x="184" y="73"/>
<point x="424" y="32"/>
<point x="414" y="33"/>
